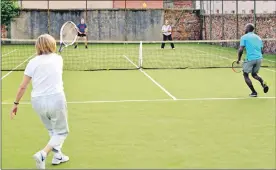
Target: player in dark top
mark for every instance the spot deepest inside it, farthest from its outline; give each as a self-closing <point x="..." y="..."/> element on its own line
<point x="82" y="31"/>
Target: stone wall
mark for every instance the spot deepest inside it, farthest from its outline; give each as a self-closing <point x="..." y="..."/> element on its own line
<point x="265" y="24"/>
<point x="108" y="24"/>
<point x="137" y="4"/>
<point x="4" y="32"/>
<point x="265" y="27"/>
<point x="186" y="24"/>
<point x="188" y="4"/>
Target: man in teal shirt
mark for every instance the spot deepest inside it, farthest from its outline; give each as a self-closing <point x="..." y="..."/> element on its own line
<point x="254" y="55"/>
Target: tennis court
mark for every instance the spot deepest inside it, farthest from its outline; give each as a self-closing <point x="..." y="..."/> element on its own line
<point x="185" y="108"/>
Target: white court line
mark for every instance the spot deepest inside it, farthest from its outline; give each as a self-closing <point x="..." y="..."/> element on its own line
<point x="155" y="82"/>
<point x="230" y="59"/>
<point x="233" y="52"/>
<point x="270" y="70"/>
<point x="226" y="58"/>
<point x="269" y="60"/>
<point x="9" y="52"/>
<point x="16" y="67"/>
<point x="263" y="58"/>
<point x="154" y="100"/>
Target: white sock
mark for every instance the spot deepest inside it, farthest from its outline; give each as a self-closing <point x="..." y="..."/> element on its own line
<point x="58" y="148"/>
<point x="57" y="155"/>
<point x="56" y="142"/>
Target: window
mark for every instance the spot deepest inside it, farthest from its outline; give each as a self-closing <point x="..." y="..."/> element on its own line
<point x="243" y="11"/>
<point x="233" y="11"/>
<point x="217" y="11"/>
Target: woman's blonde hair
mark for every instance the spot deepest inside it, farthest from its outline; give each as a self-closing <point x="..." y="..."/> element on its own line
<point x="45" y="44"/>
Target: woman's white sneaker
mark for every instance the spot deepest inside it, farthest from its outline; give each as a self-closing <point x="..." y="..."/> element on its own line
<point x="59" y="158"/>
<point x="40" y="160"/>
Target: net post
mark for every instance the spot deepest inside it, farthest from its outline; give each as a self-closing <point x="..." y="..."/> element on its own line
<point x="140" y="59"/>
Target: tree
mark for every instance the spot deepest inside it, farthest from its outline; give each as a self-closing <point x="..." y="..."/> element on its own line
<point x="9" y="10"/>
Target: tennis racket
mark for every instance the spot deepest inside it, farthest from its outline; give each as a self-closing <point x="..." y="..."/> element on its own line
<point x="68" y="35"/>
<point x="237" y="67"/>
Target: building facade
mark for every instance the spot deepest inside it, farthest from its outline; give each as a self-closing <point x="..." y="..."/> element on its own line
<point x="105" y="4"/>
<point x="240" y="6"/>
<point x="80" y="4"/>
<point x="137" y="4"/>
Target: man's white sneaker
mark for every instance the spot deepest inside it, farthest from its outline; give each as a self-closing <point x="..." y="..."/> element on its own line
<point x="40" y="160"/>
<point x="59" y="158"/>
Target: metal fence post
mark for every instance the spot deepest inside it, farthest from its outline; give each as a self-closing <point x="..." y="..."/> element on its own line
<point x="210" y="19"/>
<point x="222" y="19"/>
<point x="255" y="16"/>
<point x="48" y="12"/>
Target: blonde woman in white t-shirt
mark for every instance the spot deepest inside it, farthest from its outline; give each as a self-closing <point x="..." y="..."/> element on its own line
<point x="167" y="34"/>
<point x="48" y="98"/>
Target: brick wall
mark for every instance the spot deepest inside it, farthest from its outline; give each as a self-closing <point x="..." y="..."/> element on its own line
<point x="183" y="4"/>
<point x="265" y="27"/>
<point x="178" y="4"/>
<point x="3" y="31"/>
<point x="137" y="4"/>
<point x="72" y="4"/>
<point x="188" y="26"/>
<point x="153" y="4"/>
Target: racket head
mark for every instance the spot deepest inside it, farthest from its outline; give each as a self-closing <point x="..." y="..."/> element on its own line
<point x="68" y="34"/>
<point x="237" y="68"/>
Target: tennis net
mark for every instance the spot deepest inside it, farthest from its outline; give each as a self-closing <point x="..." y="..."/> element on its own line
<point x="130" y="55"/>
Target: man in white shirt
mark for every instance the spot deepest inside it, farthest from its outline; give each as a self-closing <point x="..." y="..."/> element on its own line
<point x="48" y="98"/>
<point x="167" y="34"/>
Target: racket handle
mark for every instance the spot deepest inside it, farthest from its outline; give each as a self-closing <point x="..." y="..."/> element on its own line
<point x="60" y="48"/>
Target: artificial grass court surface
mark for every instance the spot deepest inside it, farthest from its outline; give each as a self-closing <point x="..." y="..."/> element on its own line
<point x="230" y="132"/>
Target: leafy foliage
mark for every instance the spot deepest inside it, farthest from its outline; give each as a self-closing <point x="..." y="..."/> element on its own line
<point x="9" y="10"/>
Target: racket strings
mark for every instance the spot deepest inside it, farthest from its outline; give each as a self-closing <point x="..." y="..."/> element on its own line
<point x="69" y="33"/>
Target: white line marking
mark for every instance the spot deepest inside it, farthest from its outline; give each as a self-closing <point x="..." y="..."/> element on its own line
<point x="9" y="52"/>
<point x="231" y="60"/>
<point x="155" y="82"/>
<point x="226" y="58"/>
<point x="270" y="70"/>
<point x="153" y="100"/>
<point x="16" y="67"/>
<point x="269" y="60"/>
<point x="235" y="53"/>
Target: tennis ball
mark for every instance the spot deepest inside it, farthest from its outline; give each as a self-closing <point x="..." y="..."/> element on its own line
<point x="144" y="5"/>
